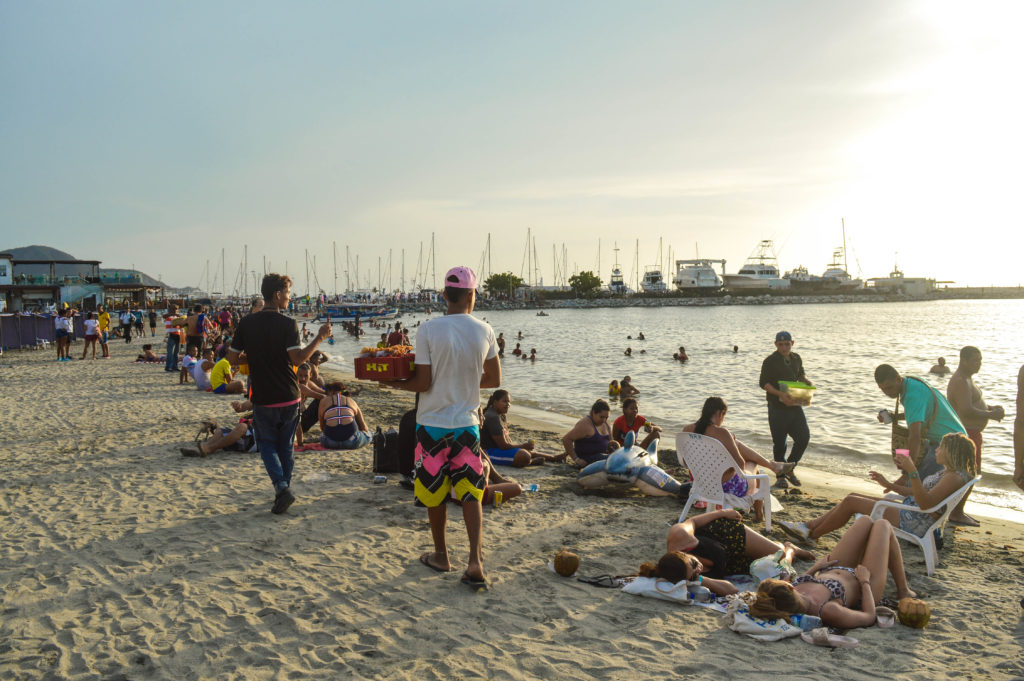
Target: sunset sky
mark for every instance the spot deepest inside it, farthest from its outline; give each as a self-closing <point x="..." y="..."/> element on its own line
<point x="156" y="134"/>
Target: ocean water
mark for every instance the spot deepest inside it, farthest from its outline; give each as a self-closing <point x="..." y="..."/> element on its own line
<point x="580" y="351"/>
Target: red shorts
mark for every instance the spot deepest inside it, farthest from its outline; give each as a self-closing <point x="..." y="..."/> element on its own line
<point x="976" y="438"/>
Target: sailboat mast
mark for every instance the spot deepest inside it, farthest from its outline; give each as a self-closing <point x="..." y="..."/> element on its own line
<point x="334" y="251"/>
<point x="845" y="266"/>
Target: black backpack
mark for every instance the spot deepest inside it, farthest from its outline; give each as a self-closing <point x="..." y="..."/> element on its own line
<point x="407" y="442"/>
<point x="385" y="451"/>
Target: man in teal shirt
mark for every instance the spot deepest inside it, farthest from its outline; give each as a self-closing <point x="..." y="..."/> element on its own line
<point x="929" y="415"/>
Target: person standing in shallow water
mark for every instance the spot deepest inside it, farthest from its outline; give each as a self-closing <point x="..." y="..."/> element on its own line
<point x="786" y="418"/>
<point x="270" y="341"/>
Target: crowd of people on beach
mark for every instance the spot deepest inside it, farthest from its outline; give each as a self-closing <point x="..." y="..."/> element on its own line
<point x="459" y="444"/>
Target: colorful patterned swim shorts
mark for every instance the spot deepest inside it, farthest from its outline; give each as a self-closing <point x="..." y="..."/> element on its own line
<point x="736" y="485"/>
<point x="447" y="459"/>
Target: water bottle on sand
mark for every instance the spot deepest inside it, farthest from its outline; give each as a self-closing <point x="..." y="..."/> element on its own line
<point x="532" y="487"/>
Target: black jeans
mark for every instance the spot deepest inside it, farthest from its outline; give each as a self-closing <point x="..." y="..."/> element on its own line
<point x="788" y="422"/>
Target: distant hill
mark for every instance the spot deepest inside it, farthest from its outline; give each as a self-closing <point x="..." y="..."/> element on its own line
<point x="38" y="253"/>
<point x="47" y="253"/>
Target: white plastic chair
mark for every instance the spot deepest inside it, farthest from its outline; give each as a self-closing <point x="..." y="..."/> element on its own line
<point x="927" y="542"/>
<point x="707" y="460"/>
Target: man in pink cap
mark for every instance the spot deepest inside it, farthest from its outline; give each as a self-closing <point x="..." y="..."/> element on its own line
<point x="456" y="356"/>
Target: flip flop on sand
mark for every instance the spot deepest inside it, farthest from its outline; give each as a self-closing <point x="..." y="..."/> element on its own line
<point x="425" y="559"/>
<point x="821" y="637"/>
<point x="185" y="451"/>
<point x="473" y="581"/>
<point x="885" y="617"/>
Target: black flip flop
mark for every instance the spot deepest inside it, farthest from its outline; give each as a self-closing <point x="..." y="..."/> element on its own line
<point x="473" y="582"/>
<point x="426" y="561"/>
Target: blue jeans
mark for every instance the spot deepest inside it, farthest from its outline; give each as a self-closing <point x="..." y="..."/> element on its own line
<point x="275" y="435"/>
<point x="929" y="465"/>
<point x="173" y="343"/>
<point x="788" y="422"/>
<point x="360" y="438"/>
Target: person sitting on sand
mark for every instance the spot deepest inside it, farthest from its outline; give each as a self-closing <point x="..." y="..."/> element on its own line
<point x="626" y="388"/>
<point x="631" y="420"/>
<point x="956" y="456"/>
<point x="590" y="439"/>
<point x="747" y="460"/>
<point x="222" y="381"/>
<point x="315" y="361"/>
<point x="187" y="363"/>
<point x="239" y="438"/>
<point x="844" y="587"/>
<point x="715" y="544"/>
<point x="309" y="414"/>
<point x="341" y="421"/>
<point x="941" y="369"/>
<point x="497" y="442"/>
<point x="613" y="388"/>
<point x="201" y="371"/>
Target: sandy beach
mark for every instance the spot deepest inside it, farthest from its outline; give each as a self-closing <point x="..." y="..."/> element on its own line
<point x="121" y="559"/>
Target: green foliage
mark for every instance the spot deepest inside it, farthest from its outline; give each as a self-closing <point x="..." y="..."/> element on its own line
<point x="502" y="283"/>
<point x="585" y="283"/>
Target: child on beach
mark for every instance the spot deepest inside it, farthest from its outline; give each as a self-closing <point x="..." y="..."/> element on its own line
<point x="187" y="363"/>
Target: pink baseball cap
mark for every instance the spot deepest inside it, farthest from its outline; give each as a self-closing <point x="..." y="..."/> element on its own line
<point x="460" y="277"/>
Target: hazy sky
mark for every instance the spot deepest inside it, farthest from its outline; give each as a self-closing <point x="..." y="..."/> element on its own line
<point x="156" y="134"/>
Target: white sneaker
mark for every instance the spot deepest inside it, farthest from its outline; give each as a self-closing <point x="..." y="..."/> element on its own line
<point x="798" y="530"/>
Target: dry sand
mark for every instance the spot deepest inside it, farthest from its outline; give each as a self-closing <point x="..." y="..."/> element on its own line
<point x="120" y="559"/>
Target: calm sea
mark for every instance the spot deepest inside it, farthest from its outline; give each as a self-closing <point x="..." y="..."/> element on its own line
<point x="580" y="351"/>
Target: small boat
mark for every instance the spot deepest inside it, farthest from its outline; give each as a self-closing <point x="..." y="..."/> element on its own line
<point x="616" y="284"/>
<point x="759" y="273"/>
<point x="348" y="312"/>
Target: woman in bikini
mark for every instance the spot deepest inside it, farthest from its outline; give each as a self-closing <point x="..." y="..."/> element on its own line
<point x="590" y="439"/>
<point x="341" y="421"/>
<point x="844" y="587"/>
<point x="712" y="415"/>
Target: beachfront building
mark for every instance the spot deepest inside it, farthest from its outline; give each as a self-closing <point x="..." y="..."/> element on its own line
<point x="897" y="283"/>
<point x="40" y="285"/>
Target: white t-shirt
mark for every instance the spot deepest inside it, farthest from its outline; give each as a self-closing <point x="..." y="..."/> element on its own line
<point x="90" y="327"/>
<point x="455" y="346"/>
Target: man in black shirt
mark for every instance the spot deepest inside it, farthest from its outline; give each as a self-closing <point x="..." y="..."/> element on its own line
<point x="270" y="341"/>
<point x="785" y="417"/>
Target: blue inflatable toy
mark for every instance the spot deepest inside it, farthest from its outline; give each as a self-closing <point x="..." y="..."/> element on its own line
<point x="632" y="465"/>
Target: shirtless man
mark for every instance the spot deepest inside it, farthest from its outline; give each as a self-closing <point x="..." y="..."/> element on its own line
<point x="940" y="369"/>
<point x="966" y="400"/>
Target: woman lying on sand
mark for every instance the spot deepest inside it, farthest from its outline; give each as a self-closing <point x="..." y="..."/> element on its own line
<point x="710" y="423"/>
<point x="715" y="545"/>
<point x="844" y="587"/>
<point x="955" y="454"/>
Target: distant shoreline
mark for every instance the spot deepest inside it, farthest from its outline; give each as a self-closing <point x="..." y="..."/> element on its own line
<point x="764" y="298"/>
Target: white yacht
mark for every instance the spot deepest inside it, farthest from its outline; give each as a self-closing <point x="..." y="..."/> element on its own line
<point x="697" y="274"/>
<point x="653" y="282"/>
<point x="760" y="272"/>
<point x="616" y="284"/>
<point x="836" y="274"/>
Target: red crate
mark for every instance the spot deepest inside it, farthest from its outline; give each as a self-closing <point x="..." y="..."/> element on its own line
<point x="385" y="368"/>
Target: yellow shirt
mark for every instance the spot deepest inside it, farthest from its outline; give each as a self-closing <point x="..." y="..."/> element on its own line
<point x="104" y="320"/>
<point x="220" y="373"/>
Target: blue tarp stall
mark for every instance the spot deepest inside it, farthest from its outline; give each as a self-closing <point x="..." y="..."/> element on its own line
<point x="22" y="330"/>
